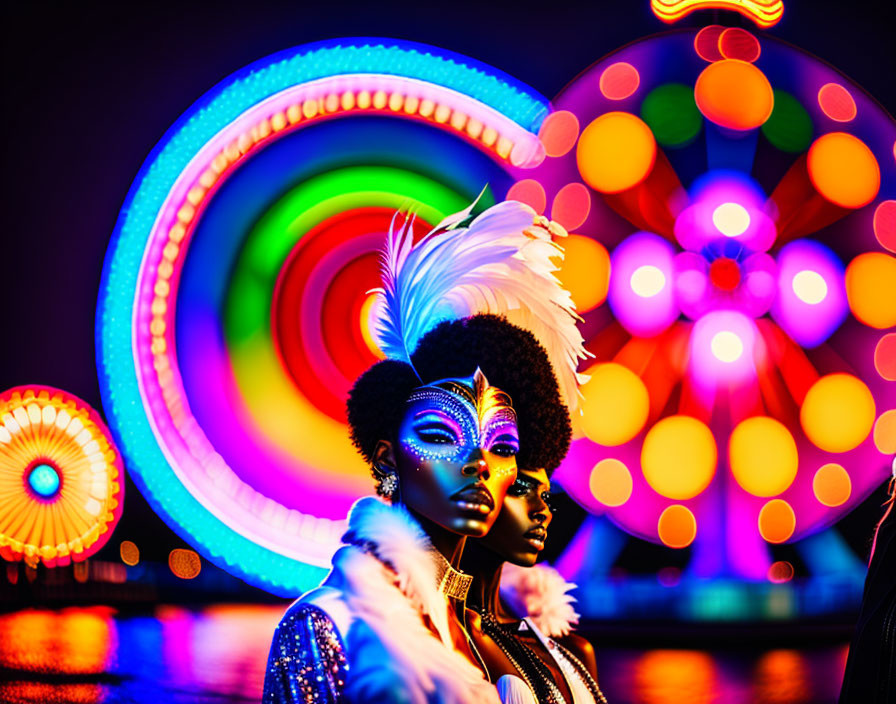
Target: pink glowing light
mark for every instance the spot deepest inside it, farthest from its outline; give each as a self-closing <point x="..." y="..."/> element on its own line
<point x="641" y="293"/>
<point x="811" y="297"/>
<point x="726" y="205"/>
<point x="721" y="348"/>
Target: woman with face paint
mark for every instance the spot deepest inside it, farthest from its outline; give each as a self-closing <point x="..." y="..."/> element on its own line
<point x="535" y="658"/>
<point x="441" y="435"/>
<point x="522" y="616"/>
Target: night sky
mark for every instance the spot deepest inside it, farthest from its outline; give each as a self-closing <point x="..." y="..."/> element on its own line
<point x="89" y="88"/>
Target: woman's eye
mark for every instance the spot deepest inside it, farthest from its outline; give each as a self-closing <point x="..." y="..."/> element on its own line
<point x="504" y="450"/>
<point x="550" y="500"/>
<point x="435" y="437"/>
<point x="518" y="488"/>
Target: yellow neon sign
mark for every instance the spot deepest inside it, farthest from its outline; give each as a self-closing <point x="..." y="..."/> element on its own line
<point x="765" y="13"/>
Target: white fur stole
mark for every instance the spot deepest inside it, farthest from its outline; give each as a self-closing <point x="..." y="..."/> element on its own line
<point x="394" y="656"/>
<point x="540" y="593"/>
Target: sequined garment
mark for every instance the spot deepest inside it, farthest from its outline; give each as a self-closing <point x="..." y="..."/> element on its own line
<point x="307" y="662"/>
<point x="377" y="628"/>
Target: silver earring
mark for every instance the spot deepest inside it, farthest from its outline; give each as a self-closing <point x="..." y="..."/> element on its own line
<point x="388" y="485"/>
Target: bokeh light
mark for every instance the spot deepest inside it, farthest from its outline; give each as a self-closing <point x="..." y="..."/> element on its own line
<point x="671" y="113"/>
<point x="871" y="289"/>
<point x="129" y="552"/>
<point x="789" y="127"/>
<point x="615" y="152"/>
<point x="706" y="43"/>
<point x="615" y="404"/>
<point x="809" y="286"/>
<point x="885" y="432"/>
<point x="734" y="94"/>
<point x="678" y="457"/>
<point x="885" y="224"/>
<point x="837" y="413"/>
<point x="832" y="485"/>
<point x="640" y="294"/>
<point x="559" y="132"/>
<point x="726" y="346"/>
<point x="530" y="192"/>
<point x="737" y="43"/>
<point x="619" y="81"/>
<point x="571" y="205"/>
<point x="677" y="526"/>
<point x="763" y="456"/>
<point x="885" y="356"/>
<point x="777" y="521"/>
<point x="812" y="295"/>
<point x="585" y="271"/>
<point x="647" y="281"/>
<point x="611" y="482"/>
<point x="836" y="102"/>
<point x="843" y="169"/>
<point x="780" y="572"/>
<point x="185" y="564"/>
<point x="731" y="219"/>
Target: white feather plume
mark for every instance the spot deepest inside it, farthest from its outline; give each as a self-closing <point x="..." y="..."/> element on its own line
<point x="502" y="263"/>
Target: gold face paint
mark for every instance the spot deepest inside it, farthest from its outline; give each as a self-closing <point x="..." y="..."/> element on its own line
<point x="456" y="453"/>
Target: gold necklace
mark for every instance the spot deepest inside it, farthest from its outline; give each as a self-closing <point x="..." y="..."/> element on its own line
<point x="452" y="583"/>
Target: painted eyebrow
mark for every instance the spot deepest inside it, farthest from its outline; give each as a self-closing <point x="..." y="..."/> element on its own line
<point x="489" y="442"/>
<point x="432" y="417"/>
<point x="435" y="416"/>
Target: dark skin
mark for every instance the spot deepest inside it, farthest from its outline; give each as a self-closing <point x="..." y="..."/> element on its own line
<point x="517" y="537"/>
<point x="453" y="466"/>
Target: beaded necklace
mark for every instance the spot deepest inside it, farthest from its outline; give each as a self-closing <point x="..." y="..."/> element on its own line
<point x="582" y="671"/>
<point x="533" y="671"/>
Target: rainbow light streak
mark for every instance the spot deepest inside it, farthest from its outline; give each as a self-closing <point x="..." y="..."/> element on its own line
<point x="300" y="440"/>
<point x="641" y="293"/>
<point x="181" y="474"/>
<point x="765" y="13"/>
<point x="811" y="302"/>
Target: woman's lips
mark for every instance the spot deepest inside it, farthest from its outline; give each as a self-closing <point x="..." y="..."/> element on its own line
<point x="476" y="499"/>
<point x="536" y="537"/>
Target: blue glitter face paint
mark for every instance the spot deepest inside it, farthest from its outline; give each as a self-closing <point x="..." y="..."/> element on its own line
<point x="456" y="453"/>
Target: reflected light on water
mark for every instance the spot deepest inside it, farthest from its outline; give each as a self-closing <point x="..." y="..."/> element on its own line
<point x="782" y="677"/>
<point x="218" y="654"/>
<point x="68" y="642"/>
<point x="71" y="642"/>
<point x="675" y="676"/>
<point x="198" y="647"/>
<point x="43" y="693"/>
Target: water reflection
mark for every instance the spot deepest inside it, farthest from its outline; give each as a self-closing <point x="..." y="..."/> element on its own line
<point x="199" y="648"/>
<point x="72" y="641"/>
<point x="673" y="676"/>
<point x="782" y="677"/>
<point x="217" y="654"/>
<point x="70" y="644"/>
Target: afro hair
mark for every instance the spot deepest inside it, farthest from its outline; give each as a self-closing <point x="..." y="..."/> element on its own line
<point x="511" y="359"/>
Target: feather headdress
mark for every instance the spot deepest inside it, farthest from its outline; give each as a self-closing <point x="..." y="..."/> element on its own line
<point x="502" y="262"/>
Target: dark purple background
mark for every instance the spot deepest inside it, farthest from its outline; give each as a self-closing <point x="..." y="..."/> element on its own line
<point x="89" y="88"/>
